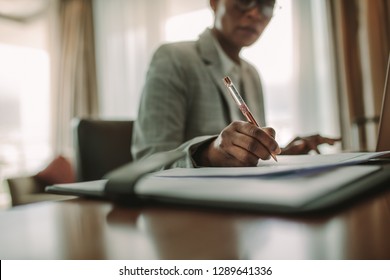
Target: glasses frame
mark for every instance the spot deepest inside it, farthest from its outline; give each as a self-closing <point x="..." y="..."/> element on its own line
<point x="265" y="7"/>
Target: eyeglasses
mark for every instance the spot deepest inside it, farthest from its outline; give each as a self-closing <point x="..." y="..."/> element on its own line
<point x="266" y="7"/>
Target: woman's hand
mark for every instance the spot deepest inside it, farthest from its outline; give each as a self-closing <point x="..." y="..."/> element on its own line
<point x="303" y="145"/>
<point x="239" y="144"/>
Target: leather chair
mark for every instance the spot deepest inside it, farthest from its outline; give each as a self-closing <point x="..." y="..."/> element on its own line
<point x="100" y="146"/>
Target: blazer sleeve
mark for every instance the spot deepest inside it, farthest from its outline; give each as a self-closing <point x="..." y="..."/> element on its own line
<point x="162" y="115"/>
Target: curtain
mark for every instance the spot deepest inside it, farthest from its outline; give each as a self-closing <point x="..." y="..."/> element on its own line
<point x="75" y="90"/>
<point x="315" y="102"/>
<point x="125" y="39"/>
<point x="127" y="34"/>
<point x="361" y="35"/>
<point x="377" y="13"/>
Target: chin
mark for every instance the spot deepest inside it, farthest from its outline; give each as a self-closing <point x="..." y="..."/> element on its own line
<point x="249" y="42"/>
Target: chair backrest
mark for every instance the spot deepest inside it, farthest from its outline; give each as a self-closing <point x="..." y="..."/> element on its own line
<point x="101" y="146"/>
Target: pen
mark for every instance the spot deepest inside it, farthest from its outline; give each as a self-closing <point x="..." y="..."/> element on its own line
<point x="242" y="105"/>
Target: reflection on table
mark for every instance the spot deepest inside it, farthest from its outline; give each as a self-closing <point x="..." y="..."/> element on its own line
<point x="91" y="229"/>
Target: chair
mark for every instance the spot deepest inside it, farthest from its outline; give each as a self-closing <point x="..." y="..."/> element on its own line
<point x="31" y="188"/>
<point x="100" y="146"/>
<point x="28" y="189"/>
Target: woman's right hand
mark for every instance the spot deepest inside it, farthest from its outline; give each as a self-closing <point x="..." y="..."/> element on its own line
<point x="239" y="144"/>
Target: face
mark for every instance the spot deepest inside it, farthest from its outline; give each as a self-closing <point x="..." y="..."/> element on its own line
<point x="241" y="22"/>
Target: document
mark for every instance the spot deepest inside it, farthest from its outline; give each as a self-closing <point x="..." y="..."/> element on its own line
<point x="286" y="191"/>
<point x="298" y="164"/>
<point x="294" y="184"/>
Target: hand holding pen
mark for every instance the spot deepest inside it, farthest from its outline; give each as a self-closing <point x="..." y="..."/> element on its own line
<point x="244" y="108"/>
<point x="240" y="144"/>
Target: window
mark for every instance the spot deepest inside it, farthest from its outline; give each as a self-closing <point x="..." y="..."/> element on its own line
<point x="24" y="109"/>
<point x="24" y="98"/>
<point x="177" y="28"/>
<point x="272" y="55"/>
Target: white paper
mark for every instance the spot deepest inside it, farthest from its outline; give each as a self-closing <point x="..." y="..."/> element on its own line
<point x="281" y="190"/>
<point x="286" y="164"/>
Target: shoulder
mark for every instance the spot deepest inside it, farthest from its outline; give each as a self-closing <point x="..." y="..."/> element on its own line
<point x="176" y="50"/>
<point x="180" y="57"/>
<point x="188" y="53"/>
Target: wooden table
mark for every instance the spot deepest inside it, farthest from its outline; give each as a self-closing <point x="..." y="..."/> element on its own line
<point x="91" y="229"/>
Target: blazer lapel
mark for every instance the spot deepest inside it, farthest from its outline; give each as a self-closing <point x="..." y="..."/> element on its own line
<point x="209" y="54"/>
<point x="252" y="95"/>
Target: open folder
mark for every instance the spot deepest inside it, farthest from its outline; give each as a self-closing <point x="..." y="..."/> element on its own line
<point x="295" y="184"/>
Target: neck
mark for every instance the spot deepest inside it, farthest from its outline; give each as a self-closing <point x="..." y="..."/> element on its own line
<point x="231" y="50"/>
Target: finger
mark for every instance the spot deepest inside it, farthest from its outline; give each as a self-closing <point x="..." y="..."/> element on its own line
<point x="257" y="141"/>
<point x="252" y="148"/>
<point x="264" y="136"/>
<point x="313" y="142"/>
<point x="270" y="131"/>
<point x="331" y="141"/>
<point x="324" y="140"/>
<point x="313" y="147"/>
<point x="318" y="139"/>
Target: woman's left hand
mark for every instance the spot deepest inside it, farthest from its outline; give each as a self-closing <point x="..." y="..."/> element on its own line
<point x="303" y="145"/>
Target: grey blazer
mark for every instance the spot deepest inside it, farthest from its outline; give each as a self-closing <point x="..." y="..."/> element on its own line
<point x="184" y="101"/>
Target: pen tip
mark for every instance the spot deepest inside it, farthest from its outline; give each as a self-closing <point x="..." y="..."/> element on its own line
<point x="227" y="81"/>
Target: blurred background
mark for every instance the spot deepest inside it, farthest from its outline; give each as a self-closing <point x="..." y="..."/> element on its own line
<point x="322" y="63"/>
